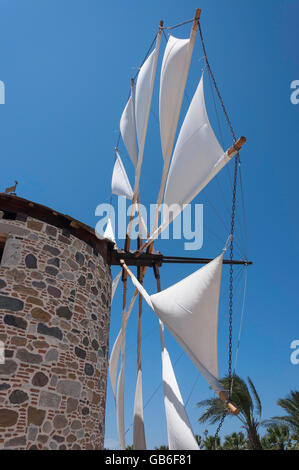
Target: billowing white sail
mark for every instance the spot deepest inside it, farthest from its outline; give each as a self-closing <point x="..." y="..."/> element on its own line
<point x="115" y="284"/>
<point x="197" y="156"/>
<point x="120" y="407"/>
<point x="180" y="435"/>
<point x="189" y="309"/>
<point x="114" y="356"/>
<point x="138" y="431"/>
<point x="143" y="96"/>
<point x="172" y="85"/>
<point x="128" y="130"/>
<point x="120" y="183"/>
<point x="109" y="231"/>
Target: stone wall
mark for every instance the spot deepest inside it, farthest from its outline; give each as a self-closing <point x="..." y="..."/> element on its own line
<point x="54" y="323"/>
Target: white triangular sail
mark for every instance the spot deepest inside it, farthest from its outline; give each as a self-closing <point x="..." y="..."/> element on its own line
<point x="197" y="156"/>
<point x="128" y="130"/>
<point x="189" y="309"/>
<point x="172" y="84"/>
<point x="109" y="231"/>
<point x="143" y="97"/>
<point x="120" y="184"/>
<point x="114" y="356"/>
<point x="180" y="435"/>
<point x="115" y="284"/>
<point x="138" y="424"/>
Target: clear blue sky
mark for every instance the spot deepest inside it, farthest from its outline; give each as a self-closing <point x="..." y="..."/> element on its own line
<point x="66" y="66"/>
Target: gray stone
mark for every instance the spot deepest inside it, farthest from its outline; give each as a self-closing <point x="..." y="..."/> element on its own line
<point x="71" y="405"/>
<point x="48" y="331"/>
<point x="28" y="357"/>
<point x="54" y="262"/>
<point x="49" y="400"/>
<point x="80" y="352"/>
<point x="88" y="369"/>
<point x="81" y="281"/>
<point x="47" y="427"/>
<point x="51" y="270"/>
<point x="76" y="424"/>
<point x="95" y="344"/>
<point x="38" y="285"/>
<point x="18" y="396"/>
<point x="51" y="249"/>
<point x="80" y="258"/>
<point x="4" y="386"/>
<point x="64" y="312"/>
<point x="69" y="388"/>
<point x="12" y="253"/>
<point x="8" y="368"/>
<point x="31" y="261"/>
<point x="52" y="355"/>
<point x="10" y="303"/>
<point x="16" y="322"/>
<point x="54" y="291"/>
<point x="59" y="422"/>
<point x="2" y="284"/>
<point x="19" y="441"/>
<point x="53" y="445"/>
<point x="58" y="438"/>
<point x="32" y="433"/>
<point x="40" y="379"/>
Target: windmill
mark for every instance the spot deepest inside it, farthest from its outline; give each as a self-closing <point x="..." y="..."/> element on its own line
<point x="189" y="308"/>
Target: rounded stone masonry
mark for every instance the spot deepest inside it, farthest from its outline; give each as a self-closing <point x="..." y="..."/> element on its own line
<point x="55" y="292"/>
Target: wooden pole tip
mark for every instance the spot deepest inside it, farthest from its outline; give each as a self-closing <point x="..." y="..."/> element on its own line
<point x="197" y="13"/>
<point x="161" y="23"/>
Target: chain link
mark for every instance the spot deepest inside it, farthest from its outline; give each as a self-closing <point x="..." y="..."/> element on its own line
<point x="219" y="428"/>
<point x="232" y="229"/>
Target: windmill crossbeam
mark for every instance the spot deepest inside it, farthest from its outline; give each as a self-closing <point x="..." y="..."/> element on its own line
<point x="134" y="258"/>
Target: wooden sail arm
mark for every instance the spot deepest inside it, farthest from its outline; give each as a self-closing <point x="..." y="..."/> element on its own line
<point x="232" y="408"/>
<point x="231" y="152"/>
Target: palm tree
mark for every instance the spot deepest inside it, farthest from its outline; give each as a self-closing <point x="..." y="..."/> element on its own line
<point x="277" y="438"/>
<point x="235" y="441"/>
<point x="163" y="447"/>
<point x="290" y="404"/>
<point x="248" y="402"/>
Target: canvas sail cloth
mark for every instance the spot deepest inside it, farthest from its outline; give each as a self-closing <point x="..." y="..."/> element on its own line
<point x="172" y="84"/>
<point x="109" y="231"/>
<point x="120" y="184"/>
<point x="180" y="435"/>
<point x="197" y="158"/>
<point x="143" y="96"/>
<point x="189" y="309"/>
<point x="128" y="130"/>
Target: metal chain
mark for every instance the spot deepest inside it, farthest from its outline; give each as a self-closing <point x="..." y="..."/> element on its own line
<point x="232" y="229"/>
<point x="219" y="427"/>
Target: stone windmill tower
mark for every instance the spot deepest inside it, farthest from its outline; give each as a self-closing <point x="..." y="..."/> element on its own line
<point x="55" y="290"/>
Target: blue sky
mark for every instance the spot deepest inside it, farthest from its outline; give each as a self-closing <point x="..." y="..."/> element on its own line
<point x="67" y="67"/>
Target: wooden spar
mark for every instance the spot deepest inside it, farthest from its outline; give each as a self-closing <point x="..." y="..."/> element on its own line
<point x="230" y="153"/>
<point x="221" y="395"/>
<point x="175" y="120"/>
<point x="236" y="147"/>
<point x="232" y="408"/>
